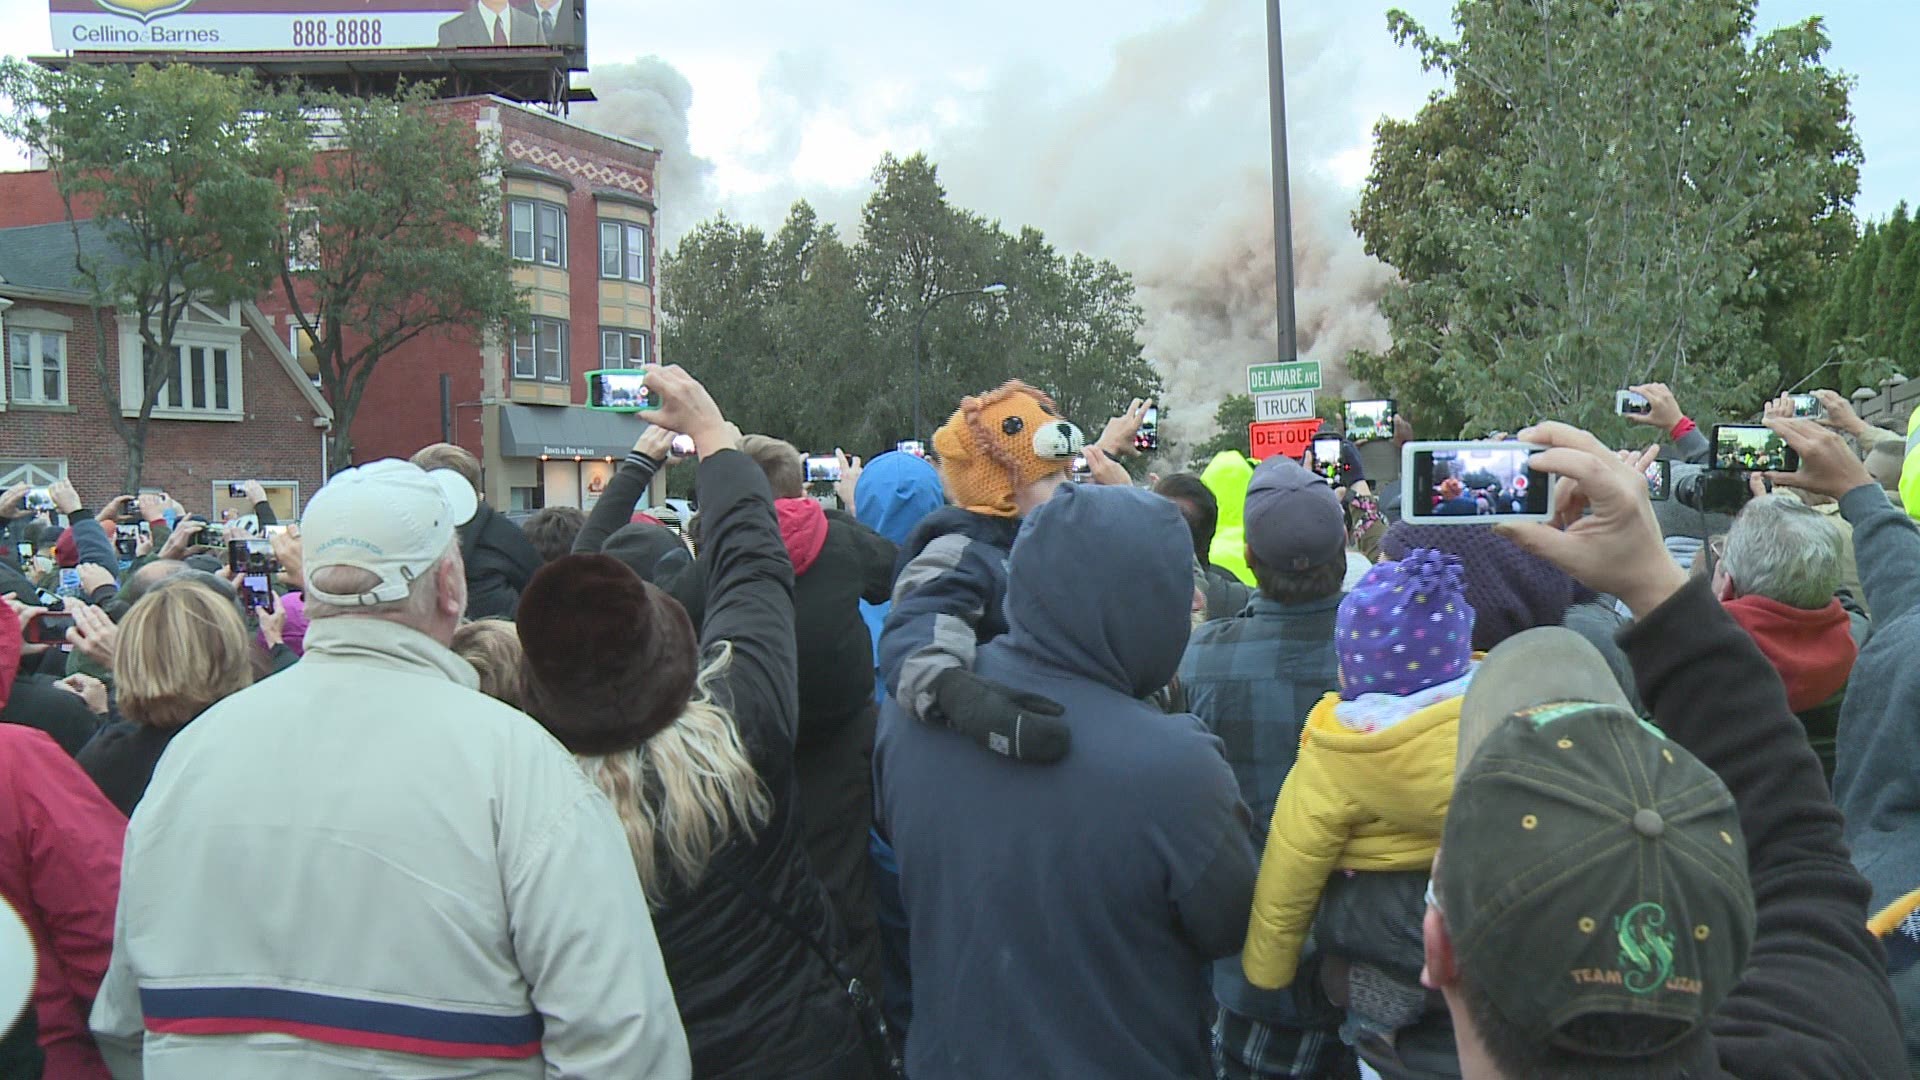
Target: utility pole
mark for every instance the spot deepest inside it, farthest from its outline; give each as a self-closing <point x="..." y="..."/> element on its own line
<point x="1282" y="204"/>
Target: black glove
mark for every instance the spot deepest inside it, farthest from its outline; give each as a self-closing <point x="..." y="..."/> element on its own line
<point x="1021" y="726"/>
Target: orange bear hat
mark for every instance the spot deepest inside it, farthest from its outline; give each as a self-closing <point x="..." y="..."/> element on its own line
<point x="998" y="443"/>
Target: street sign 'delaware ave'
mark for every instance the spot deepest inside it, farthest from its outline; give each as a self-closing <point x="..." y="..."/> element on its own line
<point x="1280" y="378"/>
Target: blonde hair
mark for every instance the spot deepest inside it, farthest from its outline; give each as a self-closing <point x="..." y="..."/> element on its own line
<point x="181" y="648"/>
<point x="493" y="648"/>
<point x="442" y="455"/>
<point x="781" y="461"/>
<point x="686" y="792"/>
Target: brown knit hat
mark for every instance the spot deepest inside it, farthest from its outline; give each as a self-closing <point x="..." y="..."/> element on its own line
<point x="998" y="443"/>
<point x="610" y="659"/>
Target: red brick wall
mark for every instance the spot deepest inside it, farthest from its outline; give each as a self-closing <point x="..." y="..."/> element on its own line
<point x="400" y="412"/>
<point x="29" y="198"/>
<point x="277" y="440"/>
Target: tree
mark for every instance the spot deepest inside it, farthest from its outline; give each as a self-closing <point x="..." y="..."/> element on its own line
<point x="1230" y="422"/>
<point x="808" y="337"/>
<point x="394" y="232"/>
<point x="1609" y="193"/>
<point x="1866" y="327"/>
<point x="181" y="171"/>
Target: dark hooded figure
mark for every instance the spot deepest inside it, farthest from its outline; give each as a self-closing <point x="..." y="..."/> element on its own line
<point x="1100" y="885"/>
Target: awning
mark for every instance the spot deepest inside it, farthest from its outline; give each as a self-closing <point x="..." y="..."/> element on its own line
<point x="530" y="431"/>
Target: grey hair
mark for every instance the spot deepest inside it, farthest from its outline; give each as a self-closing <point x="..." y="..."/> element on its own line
<point x="416" y="609"/>
<point x="1783" y="549"/>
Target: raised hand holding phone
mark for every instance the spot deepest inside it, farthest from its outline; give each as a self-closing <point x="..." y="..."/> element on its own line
<point x="685" y="406"/>
<point x="1601" y="529"/>
<point x="849" y="483"/>
<point x="1827" y="465"/>
<point x="65" y="499"/>
<point x="93" y="634"/>
<point x="1663" y="409"/>
<point x="656" y="443"/>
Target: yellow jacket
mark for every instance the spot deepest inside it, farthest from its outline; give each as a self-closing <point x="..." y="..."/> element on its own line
<point x="1354" y="801"/>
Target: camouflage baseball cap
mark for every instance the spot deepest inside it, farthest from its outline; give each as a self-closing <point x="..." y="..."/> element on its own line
<point x="1590" y="867"/>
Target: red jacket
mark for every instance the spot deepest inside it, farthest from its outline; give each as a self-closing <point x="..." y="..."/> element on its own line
<point x="60" y="845"/>
<point x="1812" y="650"/>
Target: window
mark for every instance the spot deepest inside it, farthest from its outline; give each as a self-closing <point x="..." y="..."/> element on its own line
<point x="37" y="367"/>
<point x="625" y="348"/>
<point x="539" y="231"/>
<point x="200" y="378"/>
<point x="623" y="251"/>
<point x="542" y="353"/>
<point x="303" y="239"/>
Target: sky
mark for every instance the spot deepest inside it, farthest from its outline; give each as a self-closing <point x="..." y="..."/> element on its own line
<point x="1134" y="130"/>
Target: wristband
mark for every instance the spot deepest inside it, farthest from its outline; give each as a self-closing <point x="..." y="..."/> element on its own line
<point x="1684" y="428"/>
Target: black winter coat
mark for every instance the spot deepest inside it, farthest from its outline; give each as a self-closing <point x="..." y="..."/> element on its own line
<point x="36" y="702"/>
<point x="755" y="1002"/>
<point x="836" y="648"/>
<point x="121" y="760"/>
<point x="500" y="561"/>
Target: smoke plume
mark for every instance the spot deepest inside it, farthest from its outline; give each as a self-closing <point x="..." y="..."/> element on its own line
<point x="1162" y="166"/>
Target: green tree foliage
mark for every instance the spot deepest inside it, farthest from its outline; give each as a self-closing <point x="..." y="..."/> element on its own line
<point x="394" y="232"/>
<point x="1611" y="192"/>
<point x="1230" y="422"/>
<point x="808" y="337"/>
<point x="183" y="171"/>
<point x="1868" y="325"/>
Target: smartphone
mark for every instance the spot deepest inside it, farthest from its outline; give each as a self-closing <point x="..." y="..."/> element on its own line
<point x="1628" y="403"/>
<point x="1079" y="471"/>
<point x="1473" y="483"/>
<point x="620" y="390"/>
<point x="69" y="582"/>
<point x="47" y="628"/>
<point x="682" y="446"/>
<point x="912" y="446"/>
<point x="1807" y="406"/>
<point x="38" y="499"/>
<point x="25" y="551"/>
<point x="211" y="534"/>
<point x="253" y="566"/>
<point x="126" y="540"/>
<point x="238" y="491"/>
<point x="1147" y="439"/>
<point x="823" y="469"/>
<point x="1326" y="458"/>
<point x="1659" y="479"/>
<point x="1751" y="448"/>
<point x="1370" y="421"/>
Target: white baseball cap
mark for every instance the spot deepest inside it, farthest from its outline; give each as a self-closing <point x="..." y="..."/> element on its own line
<point x="390" y="518"/>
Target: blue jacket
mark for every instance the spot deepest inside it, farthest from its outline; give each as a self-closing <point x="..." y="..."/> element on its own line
<point x="947" y="600"/>
<point x="1875" y="781"/>
<point x="895" y="492"/>
<point x="1063" y="916"/>
<point x="1252" y="680"/>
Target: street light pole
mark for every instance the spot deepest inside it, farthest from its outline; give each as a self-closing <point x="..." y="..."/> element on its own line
<point x="995" y="291"/>
<point x="1282" y="203"/>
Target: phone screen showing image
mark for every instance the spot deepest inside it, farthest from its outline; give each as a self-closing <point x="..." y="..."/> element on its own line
<point x="1367" y="421"/>
<point x="823" y="469"/>
<point x="1147" y="440"/>
<point x="1752" y="448"/>
<point x="1628" y="403"/>
<point x="619" y="390"/>
<point x="1326" y="458"/>
<point x="1806" y="406"/>
<point x="1659" y="479"/>
<point x="1475" y="484"/>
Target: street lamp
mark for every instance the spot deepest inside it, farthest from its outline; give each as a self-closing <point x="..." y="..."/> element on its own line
<point x="993" y="291"/>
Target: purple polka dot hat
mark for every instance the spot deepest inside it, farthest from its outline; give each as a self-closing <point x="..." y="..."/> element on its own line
<point x="1406" y="626"/>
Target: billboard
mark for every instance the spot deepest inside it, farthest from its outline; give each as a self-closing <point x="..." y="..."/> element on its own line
<point x="317" y="26"/>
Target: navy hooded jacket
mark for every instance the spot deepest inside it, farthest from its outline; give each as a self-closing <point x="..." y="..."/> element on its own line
<point x="1063" y="916"/>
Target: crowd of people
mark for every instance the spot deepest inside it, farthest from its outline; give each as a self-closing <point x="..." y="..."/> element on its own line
<point x="956" y="768"/>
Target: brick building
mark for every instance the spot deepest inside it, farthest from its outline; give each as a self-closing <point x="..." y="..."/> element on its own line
<point x="578" y="214"/>
<point x="236" y="406"/>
